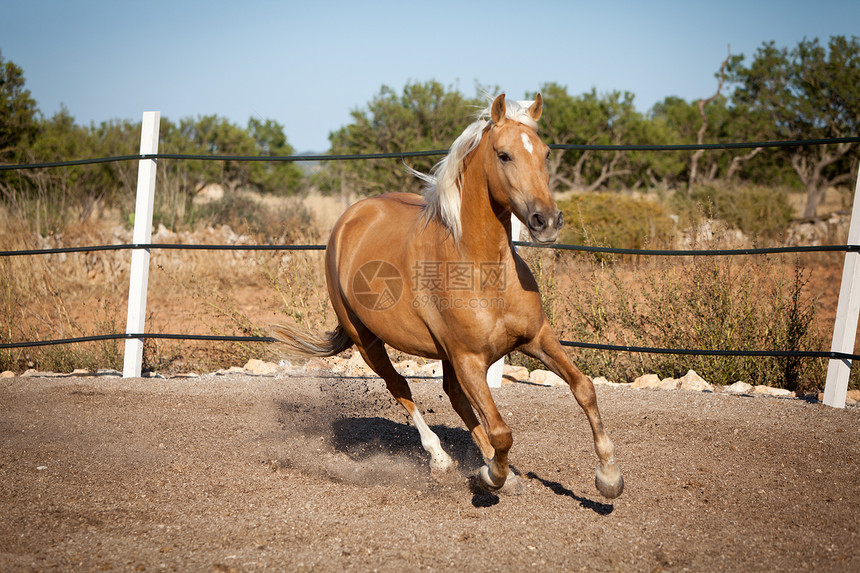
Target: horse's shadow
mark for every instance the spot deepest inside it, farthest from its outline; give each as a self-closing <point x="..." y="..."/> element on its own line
<point x="365" y="440"/>
<point x="362" y="438"/>
<point x="596" y="507"/>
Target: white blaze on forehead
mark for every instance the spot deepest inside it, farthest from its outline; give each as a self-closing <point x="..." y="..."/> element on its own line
<point x="527" y="143"/>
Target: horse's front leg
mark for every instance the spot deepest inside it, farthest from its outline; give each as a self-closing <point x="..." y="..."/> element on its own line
<point x="546" y="348"/>
<point x="471" y="372"/>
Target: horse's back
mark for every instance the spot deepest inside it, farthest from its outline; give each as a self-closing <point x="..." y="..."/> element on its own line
<point x="378" y="211"/>
<point x="368" y="265"/>
<point x="383" y="220"/>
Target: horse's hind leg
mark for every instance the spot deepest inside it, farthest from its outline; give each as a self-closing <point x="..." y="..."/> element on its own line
<point x="376" y="357"/>
<point x="546" y="348"/>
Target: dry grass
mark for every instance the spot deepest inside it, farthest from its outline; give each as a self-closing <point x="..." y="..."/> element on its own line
<point x="190" y="292"/>
<point x="747" y="303"/>
<point x="42" y="299"/>
<point x="691" y="303"/>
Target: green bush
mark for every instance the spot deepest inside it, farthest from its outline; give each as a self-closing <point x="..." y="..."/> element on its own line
<point x="708" y="303"/>
<point x="614" y="220"/>
<point x="249" y="216"/>
<point x="761" y="212"/>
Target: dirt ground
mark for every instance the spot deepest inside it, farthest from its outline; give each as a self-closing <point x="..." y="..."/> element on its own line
<point x="314" y="471"/>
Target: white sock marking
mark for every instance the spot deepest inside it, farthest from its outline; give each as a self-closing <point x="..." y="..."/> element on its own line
<point x="439" y="459"/>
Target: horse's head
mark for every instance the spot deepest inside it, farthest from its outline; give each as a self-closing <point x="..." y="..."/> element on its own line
<point x="516" y="168"/>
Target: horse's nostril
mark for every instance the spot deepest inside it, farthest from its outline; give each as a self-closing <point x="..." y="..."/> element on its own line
<point x="537" y="222"/>
<point x="559" y="222"/>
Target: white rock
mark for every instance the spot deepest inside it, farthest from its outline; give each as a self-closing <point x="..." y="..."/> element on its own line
<point x="768" y="391"/>
<point x="546" y="378"/>
<point x="647" y="381"/>
<point x="337" y="364"/>
<point x="432" y="369"/>
<point x="231" y="370"/>
<point x="317" y="364"/>
<point x="738" y="388"/>
<point x="669" y="384"/>
<point x="511" y="373"/>
<point x="7" y="374"/>
<point x="356" y="366"/>
<point x="601" y="381"/>
<point x="261" y="368"/>
<point x="408" y="368"/>
<point x="695" y="383"/>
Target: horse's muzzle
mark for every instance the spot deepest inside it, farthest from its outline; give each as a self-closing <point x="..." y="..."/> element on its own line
<point x="545" y="226"/>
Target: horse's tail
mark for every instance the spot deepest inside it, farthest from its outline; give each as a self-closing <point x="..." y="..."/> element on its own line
<point x="302" y="342"/>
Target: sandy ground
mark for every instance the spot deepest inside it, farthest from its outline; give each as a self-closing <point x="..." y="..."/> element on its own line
<point x="321" y="472"/>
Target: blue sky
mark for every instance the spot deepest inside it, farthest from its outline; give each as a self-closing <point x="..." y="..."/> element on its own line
<point x="308" y="64"/>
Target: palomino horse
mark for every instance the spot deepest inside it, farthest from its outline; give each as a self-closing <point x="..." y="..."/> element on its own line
<point x="437" y="276"/>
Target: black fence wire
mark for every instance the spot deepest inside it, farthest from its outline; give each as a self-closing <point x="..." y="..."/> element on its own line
<point x="404" y="155"/>
<point x="555" y="246"/>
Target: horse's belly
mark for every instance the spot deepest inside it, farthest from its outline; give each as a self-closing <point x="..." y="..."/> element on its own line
<point x="369" y="260"/>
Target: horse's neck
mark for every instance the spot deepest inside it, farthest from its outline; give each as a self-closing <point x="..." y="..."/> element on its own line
<point x="486" y="230"/>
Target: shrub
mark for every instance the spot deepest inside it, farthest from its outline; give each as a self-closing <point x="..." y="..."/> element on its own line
<point x="250" y="215"/>
<point x="700" y="303"/>
<point x="761" y="212"/>
<point x="614" y="220"/>
<point x="33" y="307"/>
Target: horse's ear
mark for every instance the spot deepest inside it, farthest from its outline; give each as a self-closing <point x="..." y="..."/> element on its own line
<point x="499" y="110"/>
<point x="536" y="108"/>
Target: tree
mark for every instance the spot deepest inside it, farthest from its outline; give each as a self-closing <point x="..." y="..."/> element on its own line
<point x="49" y="196"/>
<point x="425" y="117"/>
<point x="18" y="127"/>
<point x="277" y="177"/>
<point x="213" y="135"/>
<point x="673" y="122"/>
<point x="809" y="92"/>
<point x="18" y="112"/>
<point x="703" y="128"/>
<point x="588" y="119"/>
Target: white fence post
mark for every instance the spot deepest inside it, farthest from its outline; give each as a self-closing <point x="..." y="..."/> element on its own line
<point x="845" y="328"/>
<point x="139" y="276"/>
<point x="494" y="373"/>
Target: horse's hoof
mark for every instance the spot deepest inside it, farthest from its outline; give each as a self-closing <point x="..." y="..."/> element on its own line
<point x="609" y="481"/>
<point x="441" y="465"/>
<point x="487" y="481"/>
<point x="513" y="486"/>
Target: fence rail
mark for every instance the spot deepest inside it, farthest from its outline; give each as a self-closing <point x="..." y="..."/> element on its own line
<point x="429" y="153"/>
<point x="569" y="343"/>
<point x="847" y="310"/>
<point x="557" y="246"/>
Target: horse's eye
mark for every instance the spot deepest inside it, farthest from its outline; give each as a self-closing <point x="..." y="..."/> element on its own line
<point x="504" y="157"/>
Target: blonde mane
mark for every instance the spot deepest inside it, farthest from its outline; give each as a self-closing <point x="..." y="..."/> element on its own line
<point x="442" y="189"/>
